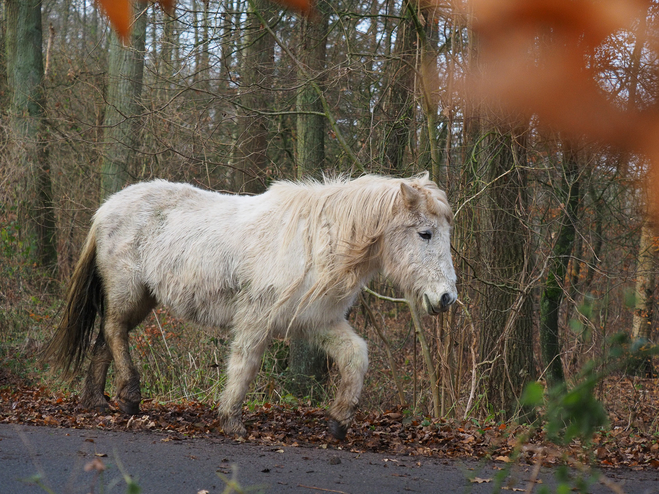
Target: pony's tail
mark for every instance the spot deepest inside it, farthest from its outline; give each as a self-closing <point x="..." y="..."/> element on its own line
<point x="84" y="300"/>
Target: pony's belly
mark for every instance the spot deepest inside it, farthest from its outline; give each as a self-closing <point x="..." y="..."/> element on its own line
<point x="217" y="313"/>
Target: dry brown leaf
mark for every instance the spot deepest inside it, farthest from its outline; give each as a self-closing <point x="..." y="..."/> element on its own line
<point x="48" y="420"/>
<point x="95" y="464"/>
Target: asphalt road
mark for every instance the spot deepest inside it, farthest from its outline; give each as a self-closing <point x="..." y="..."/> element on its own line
<point x="159" y="464"/>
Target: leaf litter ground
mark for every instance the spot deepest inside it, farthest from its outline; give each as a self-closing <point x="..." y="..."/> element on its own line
<point x="631" y="439"/>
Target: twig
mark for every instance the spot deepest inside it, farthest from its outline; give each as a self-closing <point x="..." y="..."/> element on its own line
<point x="320" y="489"/>
<point x="155" y="316"/>
<point x="534" y="476"/>
<point x="603" y="479"/>
<point x="472" y="391"/>
<point x="51" y="36"/>
<point x="434" y="385"/>
<point x="384" y="297"/>
<point x="387" y="347"/>
<point x="483" y="189"/>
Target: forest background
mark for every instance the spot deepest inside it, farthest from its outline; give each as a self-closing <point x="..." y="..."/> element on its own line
<point x="536" y="119"/>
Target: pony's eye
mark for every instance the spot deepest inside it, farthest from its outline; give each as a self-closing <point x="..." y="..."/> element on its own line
<point x="425" y="235"/>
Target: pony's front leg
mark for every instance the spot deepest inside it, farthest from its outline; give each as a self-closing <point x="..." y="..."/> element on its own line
<point x="93" y="396"/>
<point x="350" y="353"/>
<point x="247" y="350"/>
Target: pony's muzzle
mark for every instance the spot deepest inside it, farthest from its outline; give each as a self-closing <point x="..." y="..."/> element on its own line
<point x="442" y="305"/>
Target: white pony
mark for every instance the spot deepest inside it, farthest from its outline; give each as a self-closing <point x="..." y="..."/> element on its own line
<point x="286" y="263"/>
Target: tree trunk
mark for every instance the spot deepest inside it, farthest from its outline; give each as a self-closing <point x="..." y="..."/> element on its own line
<point x="226" y="47"/>
<point x="506" y="337"/>
<point x="168" y="41"/>
<point x="552" y="295"/>
<point x="25" y="64"/>
<point x="122" y="115"/>
<point x="203" y="71"/>
<point x="430" y="84"/>
<point x="307" y="364"/>
<point x="256" y="75"/>
<point x="645" y="281"/>
<point x="399" y="98"/>
<point x="307" y="367"/>
<point x="311" y="128"/>
<point x="4" y="77"/>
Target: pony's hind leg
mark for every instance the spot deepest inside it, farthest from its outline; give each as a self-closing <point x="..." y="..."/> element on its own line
<point x="116" y="328"/>
<point x="350" y="353"/>
<point x="247" y="350"/>
<point x="93" y="396"/>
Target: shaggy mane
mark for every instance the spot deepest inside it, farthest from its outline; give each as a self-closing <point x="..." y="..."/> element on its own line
<point x="348" y="217"/>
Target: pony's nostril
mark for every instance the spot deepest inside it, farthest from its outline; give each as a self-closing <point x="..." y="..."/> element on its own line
<point x="446" y="300"/>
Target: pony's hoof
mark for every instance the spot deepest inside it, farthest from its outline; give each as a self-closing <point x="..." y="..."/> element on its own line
<point x="95" y="405"/>
<point x="129" y="407"/>
<point x="338" y="431"/>
<point x="233" y="427"/>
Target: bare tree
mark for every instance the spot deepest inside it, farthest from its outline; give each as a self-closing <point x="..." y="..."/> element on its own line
<point x="308" y="364"/>
<point x="25" y="74"/>
<point x="122" y="114"/>
<point x="506" y="337"/>
<point x="399" y="101"/>
<point x="552" y="294"/>
<point x="256" y="75"/>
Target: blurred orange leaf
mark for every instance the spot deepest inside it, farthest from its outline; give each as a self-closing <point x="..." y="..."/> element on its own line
<point x="119" y="12"/>
<point x="535" y="58"/>
<point x="303" y="6"/>
<point x="532" y="60"/>
<point x="168" y="5"/>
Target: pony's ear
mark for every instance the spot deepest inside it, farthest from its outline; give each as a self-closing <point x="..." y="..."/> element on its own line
<point x="411" y="196"/>
<point x="424" y="178"/>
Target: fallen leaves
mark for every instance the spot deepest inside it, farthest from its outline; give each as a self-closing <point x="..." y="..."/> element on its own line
<point x="392" y="432"/>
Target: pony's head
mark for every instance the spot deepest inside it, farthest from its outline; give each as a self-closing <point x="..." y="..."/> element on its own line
<point x="416" y="248"/>
<point x="355" y="228"/>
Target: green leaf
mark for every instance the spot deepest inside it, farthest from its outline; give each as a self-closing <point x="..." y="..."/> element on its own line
<point x="533" y="394"/>
<point x="586" y="308"/>
<point x="576" y="326"/>
<point x="132" y="487"/>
